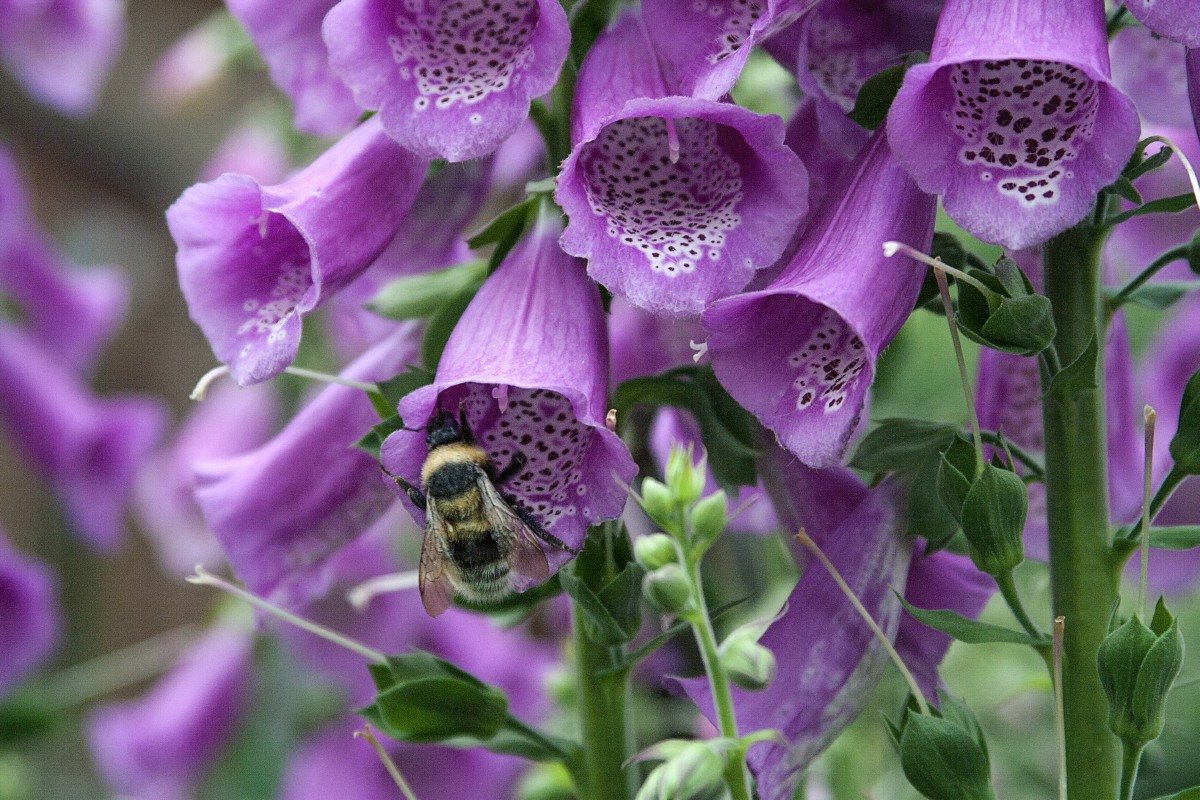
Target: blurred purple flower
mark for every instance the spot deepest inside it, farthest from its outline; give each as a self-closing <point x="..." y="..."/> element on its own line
<point x="1151" y="71"/>
<point x="61" y="50"/>
<point x="451" y="80"/>
<point x="800" y="354"/>
<point x="88" y="448"/>
<point x="1178" y="20"/>
<point x="288" y="35"/>
<point x="675" y="201"/>
<point x="28" y="606"/>
<point x="642" y="344"/>
<point x="1193" y="82"/>
<point x="253" y="260"/>
<point x="251" y="148"/>
<point x="528" y="364"/>
<point x="230" y="421"/>
<point x="282" y="509"/>
<point x="1014" y="119"/>
<point x="158" y="746"/>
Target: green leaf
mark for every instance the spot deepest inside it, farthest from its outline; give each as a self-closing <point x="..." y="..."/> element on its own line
<point x="395" y="389"/>
<point x="1123" y="187"/>
<point x="1139" y="164"/>
<point x="970" y="631"/>
<point x="1193" y="254"/>
<point x="902" y="445"/>
<point x="612" y="615"/>
<point x="942" y="761"/>
<point x="373" y="441"/>
<point x="955" y="475"/>
<point x="435" y="709"/>
<point x="1186" y="794"/>
<point x="25" y="714"/>
<point x="508" y="225"/>
<point x="1175" y="537"/>
<point x="878" y="91"/>
<point x="1163" y="205"/>
<point x="418" y="296"/>
<point x="1079" y="375"/>
<point x="1161" y="295"/>
<point x="1185" y="446"/>
<point x="1021" y="325"/>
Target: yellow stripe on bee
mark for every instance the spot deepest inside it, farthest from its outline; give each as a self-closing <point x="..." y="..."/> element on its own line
<point x="453" y="453"/>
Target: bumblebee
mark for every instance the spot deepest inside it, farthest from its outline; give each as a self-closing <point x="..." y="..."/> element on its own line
<point x="477" y="540"/>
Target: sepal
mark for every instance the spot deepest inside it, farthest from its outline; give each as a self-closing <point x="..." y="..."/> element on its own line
<point x="993" y="519"/>
<point x="1137" y="666"/>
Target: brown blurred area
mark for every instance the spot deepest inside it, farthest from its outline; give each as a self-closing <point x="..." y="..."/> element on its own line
<point x="100" y="186"/>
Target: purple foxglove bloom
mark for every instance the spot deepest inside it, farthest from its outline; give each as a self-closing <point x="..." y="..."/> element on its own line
<point x="1151" y="71"/>
<point x="450" y="80"/>
<point x="158" y="746"/>
<point x="800" y="354"/>
<point x="1014" y="119"/>
<point x="642" y="344"/>
<point x="288" y="35"/>
<point x="333" y="764"/>
<point x="943" y="580"/>
<point x="528" y="365"/>
<point x="1178" y="20"/>
<point x="253" y="149"/>
<point x="89" y="449"/>
<point x="826" y="144"/>
<point x="230" y="421"/>
<point x="674" y="201"/>
<point x="828" y="660"/>
<point x="28" y="606"/>
<point x="61" y="50"/>
<point x="704" y="44"/>
<point x="1193" y="81"/>
<point x="253" y="259"/>
<point x="282" y="509"/>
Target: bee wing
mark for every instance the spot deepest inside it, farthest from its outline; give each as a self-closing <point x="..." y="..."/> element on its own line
<point x="437" y="591"/>
<point x="526" y="556"/>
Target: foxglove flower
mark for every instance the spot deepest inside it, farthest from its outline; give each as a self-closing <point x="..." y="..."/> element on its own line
<point x="451" y="80"/>
<point x="528" y="365"/>
<point x="61" y="50"/>
<point x="232" y="420"/>
<point x="282" y="509"/>
<point x="800" y="353"/>
<point x="288" y="35"/>
<point x="1178" y="20"/>
<point x="89" y="449"/>
<point x="1193" y="81"/>
<point x="158" y="746"/>
<point x="826" y="143"/>
<point x="1152" y="72"/>
<point x="253" y="259"/>
<point x="251" y="148"/>
<point x="28" y="606"/>
<point x="642" y="344"/>
<point x="1014" y="119"/>
<point x="675" y="201"/>
<point x="828" y="660"/>
<point x="704" y="44"/>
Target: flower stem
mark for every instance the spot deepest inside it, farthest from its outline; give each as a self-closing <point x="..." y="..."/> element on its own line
<point x="1008" y="590"/>
<point x="1083" y="580"/>
<point x="968" y="393"/>
<point x="1060" y="724"/>
<point x="605" y="726"/>
<point x="1131" y="758"/>
<point x="1147" y="481"/>
<point x="369" y="735"/>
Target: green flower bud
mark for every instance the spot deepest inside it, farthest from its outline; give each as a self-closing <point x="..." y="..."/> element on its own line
<point x="943" y="760"/>
<point x="668" y="589"/>
<point x="658" y="504"/>
<point x="993" y="519"/>
<point x="748" y="664"/>
<point x="654" y="551"/>
<point x="686" y="479"/>
<point x="1137" y="667"/>
<point x="549" y="781"/>
<point x="709" y="518"/>
<point x="694" y="772"/>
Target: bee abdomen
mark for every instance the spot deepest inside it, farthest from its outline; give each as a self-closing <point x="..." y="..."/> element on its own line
<point x="476" y="552"/>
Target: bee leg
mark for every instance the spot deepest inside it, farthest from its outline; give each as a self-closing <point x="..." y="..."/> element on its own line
<point x="464" y="430"/>
<point x="536" y="527"/>
<point x="514" y="467"/>
<point x="414" y="494"/>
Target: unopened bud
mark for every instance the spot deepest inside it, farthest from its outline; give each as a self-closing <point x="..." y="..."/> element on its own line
<point x="657" y="503"/>
<point x="654" y="551"/>
<point x="668" y="589"/>
<point x="1137" y="667"/>
<point x="695" y="772"/>
<point x="748" y="664"/>
<point x="709" y="518"/>
<point x="993" y="520"/>
<point x="548" y="781"/>
<point x="686" y="479"/>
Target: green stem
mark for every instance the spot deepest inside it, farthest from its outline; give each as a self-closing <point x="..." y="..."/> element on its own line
<point x="1031" y="462"/>
<point x="603" y="710"/>
<point x="737" y="779"/>
<point x="1131" y="758"/>
<point x="1083" y="581"/>
<point x="1178" y="254"/>
<point x="1008" y="590"/>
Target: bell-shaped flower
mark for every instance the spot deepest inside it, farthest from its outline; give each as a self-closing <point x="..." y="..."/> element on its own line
<point x="253" y="259"/>
<point x="158" y="746"/>
<point x="826" y="143"/>
<point x="28" y="606"/>
<point x="252" y="148"/>
<point x="1014" y="119"/>
<point x="674" y="201"/>
<point x="287" y="34"/>
<point x="88" y="448"/>
<point x="450" y="80"/>
<point x="1178" y="20"/>
<point x="704" y="44"/>
<point x="528" y="365"/>
<point x="1152" y="72"/>
<point x="642" y="344"/>
<point x="800" y="353"/>
<point x="232" y="420"/>
<point x="828" y="661"/>
<point x="61" y="50"/>
<point x="282" y="509"/>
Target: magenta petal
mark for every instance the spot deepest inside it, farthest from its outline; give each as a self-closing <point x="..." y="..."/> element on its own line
<point x="61" y="50"/>
<point x="1178" y="20"/>
<point x="1193" y="81"/>
<point x="826" y="143"/>
<point x="158" y="746"/>
<point x="288" y="35"/>
<point x="800" y="354"/>
<point x="528" y="362"/>
<point x="28" y="606"/>
<point x="642" y="344"/>
<point x="403" y="59"/>
<point x="1019" y="166"/>
<point x="282" y="509"/>
<point x="253" y="260"/>
<point x="1151" y="71"/>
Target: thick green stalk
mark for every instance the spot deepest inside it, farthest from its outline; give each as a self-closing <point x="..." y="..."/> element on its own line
<point x="1131" y="757"/>
<point x="1083" y="579"/>
<point x="604" y="723"/>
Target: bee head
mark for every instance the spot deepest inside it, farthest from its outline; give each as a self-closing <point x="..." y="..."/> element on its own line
<point x="445" y="429"/>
